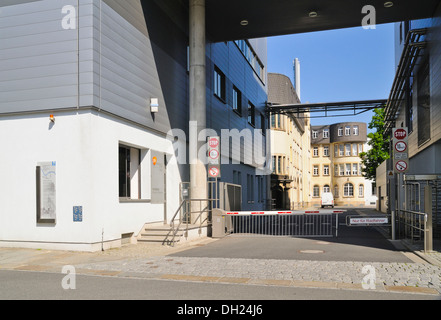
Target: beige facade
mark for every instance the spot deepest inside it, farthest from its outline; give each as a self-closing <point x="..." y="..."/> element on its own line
<point x="336" y="164"/>
<point x="291" y="155"/>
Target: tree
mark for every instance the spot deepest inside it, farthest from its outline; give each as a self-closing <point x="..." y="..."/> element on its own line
<point x="379" y="151"/>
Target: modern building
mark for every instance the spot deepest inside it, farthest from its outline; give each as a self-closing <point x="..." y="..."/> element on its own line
<point x="101" y="107"/>
<point x="336" y="164"/>
<point x="415" y="104"/>
<point x="290" y="140"/>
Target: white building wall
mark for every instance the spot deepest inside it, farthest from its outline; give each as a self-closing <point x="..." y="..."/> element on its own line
<point x="85" y="148"/>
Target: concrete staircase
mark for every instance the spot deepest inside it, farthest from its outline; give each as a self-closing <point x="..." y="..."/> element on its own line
<point x="164" y="234"/>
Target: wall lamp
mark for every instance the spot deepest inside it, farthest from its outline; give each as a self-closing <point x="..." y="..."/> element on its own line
<point x="154" y="105"/>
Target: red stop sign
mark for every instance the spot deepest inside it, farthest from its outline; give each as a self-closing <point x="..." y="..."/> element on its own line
<point x="213" y="143"/>
<point x="400" y="134"/>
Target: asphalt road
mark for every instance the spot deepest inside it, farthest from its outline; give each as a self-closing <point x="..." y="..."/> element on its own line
<point x="25" y="285"/>
<point x="363" y="244"/>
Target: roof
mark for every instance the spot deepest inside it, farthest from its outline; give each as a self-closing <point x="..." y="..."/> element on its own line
<point x="278" y="17"/>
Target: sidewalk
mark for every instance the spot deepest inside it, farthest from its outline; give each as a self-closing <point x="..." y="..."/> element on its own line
<point x="433" y="257"/>
<point x="154" y="261"/>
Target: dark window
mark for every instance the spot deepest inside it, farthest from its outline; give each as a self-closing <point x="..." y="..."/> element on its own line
<point x="219" y="84"/>
<point x="424" y="103"/>
<point x="237" y="101"/>
<point x="124" y="172"/>
<point x="251" y="114"/>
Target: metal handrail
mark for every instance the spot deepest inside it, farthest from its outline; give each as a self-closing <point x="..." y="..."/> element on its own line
<point x="411" y="222"/>
<point x="174" y="230"/>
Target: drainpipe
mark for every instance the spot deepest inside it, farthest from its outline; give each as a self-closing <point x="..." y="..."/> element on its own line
<point x="198" y="173"/>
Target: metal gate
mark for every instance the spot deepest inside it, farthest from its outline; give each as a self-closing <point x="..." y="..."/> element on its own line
<point x="322" y="223"/>
<point x="411" y="217"/>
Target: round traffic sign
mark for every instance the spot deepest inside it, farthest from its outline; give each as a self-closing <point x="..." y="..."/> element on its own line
<point x="401" y="166"/>
<point x="213" y="172"/>
<point x="400" y="134"/>
<point x="214" y="154"/>
<point x="400" y="146"/>
<point x="213" y="143"/>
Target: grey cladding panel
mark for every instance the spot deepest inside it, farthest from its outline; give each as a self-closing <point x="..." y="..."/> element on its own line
<point x="5" y="3"/>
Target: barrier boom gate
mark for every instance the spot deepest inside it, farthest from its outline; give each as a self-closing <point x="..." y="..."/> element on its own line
<point x="300" y="223"/>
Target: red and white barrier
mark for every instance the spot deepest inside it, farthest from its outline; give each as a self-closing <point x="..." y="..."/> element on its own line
<point x="254" y="213"/>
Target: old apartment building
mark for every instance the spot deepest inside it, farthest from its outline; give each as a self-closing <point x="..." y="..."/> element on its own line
<point x="336" y="164"/>
<point x="290" y="151"/>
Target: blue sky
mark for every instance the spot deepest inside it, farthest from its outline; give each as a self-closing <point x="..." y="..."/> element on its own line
<point x="338" y="65"/>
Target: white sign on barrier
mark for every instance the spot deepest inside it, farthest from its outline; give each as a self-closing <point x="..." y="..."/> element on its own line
<point x="368" y="221"/>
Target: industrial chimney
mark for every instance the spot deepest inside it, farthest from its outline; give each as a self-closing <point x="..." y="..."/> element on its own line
<point x="296" y="64"/>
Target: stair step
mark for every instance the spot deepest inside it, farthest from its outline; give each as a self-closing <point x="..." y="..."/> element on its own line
<point x="159" y="233"/>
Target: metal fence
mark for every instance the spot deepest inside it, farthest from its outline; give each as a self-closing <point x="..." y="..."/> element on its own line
<point x="288" y="224"/>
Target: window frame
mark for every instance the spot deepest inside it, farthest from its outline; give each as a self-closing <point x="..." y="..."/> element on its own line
<point x="219" y="84"/>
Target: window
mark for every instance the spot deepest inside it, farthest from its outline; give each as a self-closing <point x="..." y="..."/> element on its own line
<point x="325" y="133"/>
<point x="315" y="171"/>
<point x="316" y="191"/>
<point x="237" y="177"/>
<point x="361" y="191"/>
<point x="274" y="164"/>
<point x="360" y="148"/>
<point x="355" y="169"/>
<point x="279" y="165"/>
<point x="326" y="170"/>
<point x="340" y="131"/>
<point x="423" y="109"/>
<point x="336" y="170"/>
<point x="252" y="58"/>
<point x="260" y="189"/>
<point x="251" y="114"/>
<point x="348" y="150"/>
<point x="342" y="150"/>
<point x="277" y="121"/>
<point x="250" y="188"/>
<point x="354" y="150"/>
<point x="348" y="190"/>
<point x="314" y="134"/>
<point x="336" y="191"/>
<point x="315" y="152"/>
<point x="336" y="150"/>
<point x="347" y="131"/>
<point x="326" y="151"/>
<point x="326" y="189"/>
<point x="348" y="169"/>
<point x="342" y="169"/>
<point x="237" y="101"/>
<point x="219" y="84"/>
<point x="355" y="130"/>
<point x="129" y="169"/>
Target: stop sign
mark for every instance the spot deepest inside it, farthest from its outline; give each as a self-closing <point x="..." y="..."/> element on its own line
<point x="213" y="142"/>
<point x="400" y="134"/>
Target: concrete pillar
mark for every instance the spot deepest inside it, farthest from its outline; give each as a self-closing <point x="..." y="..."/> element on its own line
<point x="198" y="120"/>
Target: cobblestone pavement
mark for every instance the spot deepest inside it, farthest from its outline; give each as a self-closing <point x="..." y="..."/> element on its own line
<point x="401" y="277"/>
<point x="156" y="262"/>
